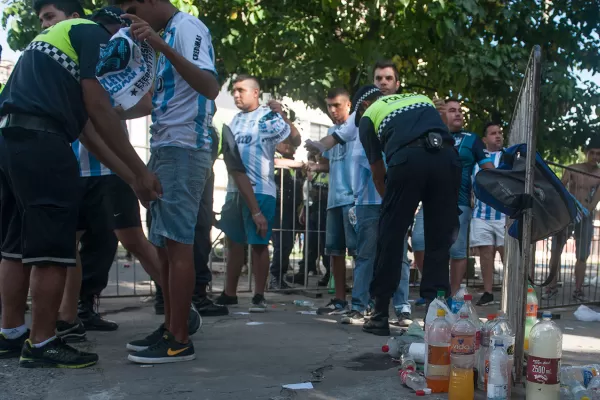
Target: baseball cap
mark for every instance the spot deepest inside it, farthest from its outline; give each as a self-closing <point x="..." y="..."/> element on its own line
<point x="366" y="92"/>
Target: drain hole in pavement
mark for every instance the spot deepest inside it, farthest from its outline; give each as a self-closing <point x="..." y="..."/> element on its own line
<point x="371" y="362"/>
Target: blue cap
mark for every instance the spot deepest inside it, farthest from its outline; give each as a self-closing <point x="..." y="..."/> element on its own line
<point x="547" y="314"/>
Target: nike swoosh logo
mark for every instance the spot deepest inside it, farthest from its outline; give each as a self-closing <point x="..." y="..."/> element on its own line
<point x="176" y="352"/>
<point x="116" y="215"/>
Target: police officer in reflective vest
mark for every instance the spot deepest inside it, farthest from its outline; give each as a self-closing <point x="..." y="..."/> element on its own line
<point x="422" y="166"/>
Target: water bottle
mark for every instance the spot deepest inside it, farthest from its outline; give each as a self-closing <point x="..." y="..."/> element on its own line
<point x="594" y="388"/>
<point x="581" y="373"/>
<point x="303" y="303"/>
<point x="413" y="380"/>
<point x="392" y="347"/>
<point x="462" y="359"/>
<point x="578" y="391"/>
<point x="543" y="360"/>
<point x="501" y="327"/>
<point x="531" y="310"/>
<point x="497" y="386"/>
<point x="352" y="215"/>
<point x="438" y="354"/>
<point x="484" y="353"/>
<point x="459" y="298"/>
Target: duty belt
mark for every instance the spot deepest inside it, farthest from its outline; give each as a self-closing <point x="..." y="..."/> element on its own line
<point x="31" y="122"/>
<point x="421" y="141"/>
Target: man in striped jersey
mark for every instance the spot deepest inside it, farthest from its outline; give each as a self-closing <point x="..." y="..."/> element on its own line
<point x="487" y="225"/>
<point x="258" y="132"/>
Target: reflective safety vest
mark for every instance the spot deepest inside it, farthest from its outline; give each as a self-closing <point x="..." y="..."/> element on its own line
<point x="56" y="43"/>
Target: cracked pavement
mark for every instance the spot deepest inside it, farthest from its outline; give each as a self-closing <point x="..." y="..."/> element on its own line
<point x="235" y="361"/>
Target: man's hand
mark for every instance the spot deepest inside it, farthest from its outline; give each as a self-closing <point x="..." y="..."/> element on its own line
<point x="278" y="108"/>
<point x="314" y="147"/>
<point x="147" y="188"/>
<point x="261" y="224"/>
<point x="142" y="31"/>
<point x="440" y="105"/>
<point x="311" y="166"/>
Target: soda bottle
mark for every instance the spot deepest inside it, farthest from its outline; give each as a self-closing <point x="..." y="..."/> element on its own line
<point x="392" y="347"/>
<point x="501" y="327"/>
<point x="331" y="285"/>
<point x="462" y="359"/>
<point x="484" y="353"/>
<point x="497" y="386"/>
<point x="474" y="318"/>
<point x="459" y="299"/>
<point x="543" y="361"/>
<point x="438" y="354"/>
<point x="531" y="310"/>
<point x="412" y="379"/>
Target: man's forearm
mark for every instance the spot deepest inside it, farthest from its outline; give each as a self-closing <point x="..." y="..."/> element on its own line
<point x="245" y="188"/>
<point x="203" y="82"/>
<point x="378" y="170"/>
<point x="141" y="109"/>
<point x="295" y="138"/>
<point x="94" y="143"/>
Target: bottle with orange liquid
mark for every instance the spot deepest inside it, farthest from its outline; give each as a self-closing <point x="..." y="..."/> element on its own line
<point x="438" y="356"/>
<point x="462" y="359"/>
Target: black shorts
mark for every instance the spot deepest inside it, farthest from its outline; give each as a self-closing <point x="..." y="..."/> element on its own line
<point x="125" y="204"/>
<point x="95" y="208"/>
<point x="39" y="197"/>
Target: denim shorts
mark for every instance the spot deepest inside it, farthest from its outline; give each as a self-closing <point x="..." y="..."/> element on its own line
<point x="339" y="232"/>
<point x="237" y="223"/>
<point x="418" y="232"/>
<point x="458" y="251"/>
<point x="182" y="174"/>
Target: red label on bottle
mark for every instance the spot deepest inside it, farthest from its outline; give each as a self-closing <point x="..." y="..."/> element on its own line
<point x="543" y="370"/>
<point x="462" y="344"/>
<point x="531" y="310"/>
<point x="477" y="340"/>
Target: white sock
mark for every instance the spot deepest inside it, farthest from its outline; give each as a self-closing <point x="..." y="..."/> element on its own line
<point x="45" y="342"/>
<point x="13" y="333"/>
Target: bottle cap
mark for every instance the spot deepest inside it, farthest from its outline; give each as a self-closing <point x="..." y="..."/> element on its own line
<point x="462" y="285"/>
<point x="420" y="393"/>
<point x="547" y="314"/>
<point x="427" y="391"/>
<point x="441" y="293"/>
<point x="385" y="348"/>
<point x="468" y="297"/>
<point x="491" y="317"/>
<point x="530" y="290"/>
<point x="441" y="312"/>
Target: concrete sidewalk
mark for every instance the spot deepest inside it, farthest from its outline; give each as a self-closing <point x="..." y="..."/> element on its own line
<point x="238" y="361"/>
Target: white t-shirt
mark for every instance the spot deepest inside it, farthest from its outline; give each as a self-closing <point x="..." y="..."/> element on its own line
<point x="181" y="117"/>
<point x="257" y="133"/>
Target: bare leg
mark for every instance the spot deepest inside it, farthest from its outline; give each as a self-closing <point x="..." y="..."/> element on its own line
<point x="235" y="262"/>
<point x="182" y="278"/>
<point x="339" y="276"/>
<point x="500" y="250"/>
<point x="580" y="267"/>
<point x="68" y="306"/>
<point x="134" y="241"/>
<point x="486" y="256"/>
<point x="260" y="267"/>
<point x="457" y="273"/>
<point x="163" y="262"/>
<point x="419" y="257"/>
<point x="47" y="287"/>
<point x="14" y="285"/>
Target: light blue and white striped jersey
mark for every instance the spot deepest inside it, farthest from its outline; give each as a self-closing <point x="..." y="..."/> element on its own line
<point x="181" y="117"/>
<point x="482" y="210"/>
<point x="257" y="133"/>
<point x="341" y="170"/>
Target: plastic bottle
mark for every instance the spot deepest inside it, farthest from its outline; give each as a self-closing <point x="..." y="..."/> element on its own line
<point x="578" y="391"/>
<point x="459" y="298"/>
<point x="484" y="353"/>
<point x="303" y="303"/>
<point x="531" y="310"/>
<point x="412" y="351"/>
<point x="462" y="359"/>
<point x="331" y="285"/>
<point x="497" y="386"/>
<point x="438" y="354"/>
<point x="474" y="318"/>
<point x="501" y="327"/>
<point x="594" y="388"/>
<point x="581" y="373"/>
<point x="543" y="361"/>
<point x="412" y="379"/>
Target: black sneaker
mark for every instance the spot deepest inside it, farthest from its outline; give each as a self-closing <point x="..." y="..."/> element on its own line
<point x="71" y="332"/>
<point x="159" y="308"/>
<point x="353" y="318"/>
<point x="225" y="300"/>
<point x="194" y="320"/>
<point x="334" y="307"/>
<point x="92" y="321"/>
<point x="259" y="304"/>
<point x="56" y="354"/>
<point x="280" y="285"/>
<point x="486" y="299"/>
<point x="377" y="325"/>
<point x="297" y="278"/>
<point x="10" y="348"/>
<point x="404" y="319"/>
<point x="151" y="339"/>
<point x="324" y="281"/>
<point x="207" y="308"/>
<point x="166" y="350"/>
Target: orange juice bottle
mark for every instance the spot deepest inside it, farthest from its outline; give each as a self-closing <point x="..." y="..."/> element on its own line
<point x="462" y="359"/>
<point x="438" y="354"/>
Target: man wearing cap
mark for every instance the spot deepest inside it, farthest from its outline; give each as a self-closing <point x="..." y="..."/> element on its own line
<point x="422" y="165"/>
<point x="40" y="200"/>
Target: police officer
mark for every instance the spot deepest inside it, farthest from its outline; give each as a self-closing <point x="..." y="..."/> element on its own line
<point x="422" y="166"/>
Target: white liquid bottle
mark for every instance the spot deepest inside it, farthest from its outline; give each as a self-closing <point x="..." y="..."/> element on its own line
<point x="543" y="361"/>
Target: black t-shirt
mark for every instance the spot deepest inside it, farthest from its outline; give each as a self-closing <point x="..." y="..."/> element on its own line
<point x="40" y="86"/>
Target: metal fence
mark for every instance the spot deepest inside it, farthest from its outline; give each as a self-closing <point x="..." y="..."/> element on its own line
<point x="519" y="257"/>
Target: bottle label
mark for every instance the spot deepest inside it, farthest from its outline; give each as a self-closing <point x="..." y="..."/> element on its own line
<point x="543" y="370"/>
<point x="497" y="392"/>
<point x="531" y="310"/>
<point x="462" y="344"/>
<point x="438" y="361"/>
<point x="486" y="372"/>
<point x="456" y="306"/>
<point x="477" y="340"/>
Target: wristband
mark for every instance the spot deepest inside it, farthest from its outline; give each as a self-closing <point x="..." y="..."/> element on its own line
<point x="257" y="214"/>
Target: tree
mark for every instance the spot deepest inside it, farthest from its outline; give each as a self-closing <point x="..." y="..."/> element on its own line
<point x="475" y="50"/>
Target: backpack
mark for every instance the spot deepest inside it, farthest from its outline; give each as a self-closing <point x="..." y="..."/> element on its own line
<point x="503" y="188"/>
